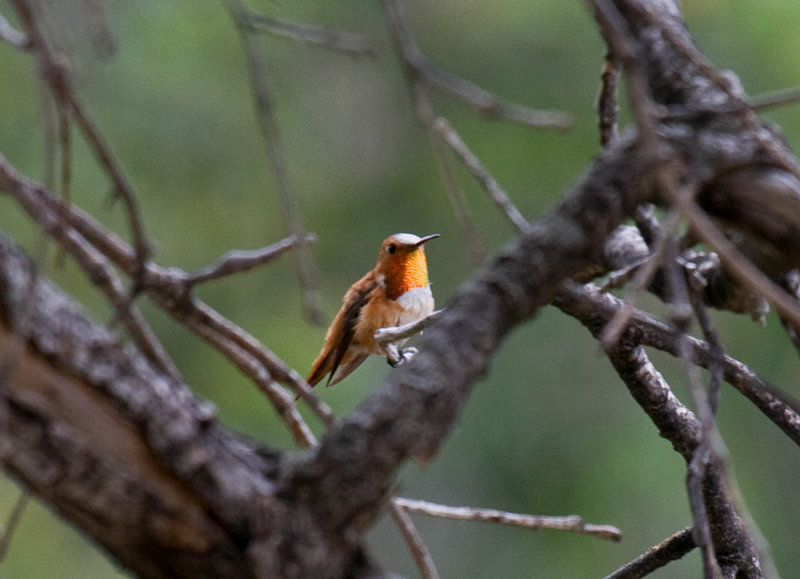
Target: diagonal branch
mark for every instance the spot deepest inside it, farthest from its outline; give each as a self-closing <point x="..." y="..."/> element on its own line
<point x="13" y="36"/>
<point x="670" y="549"/>
<point x="595" y="309"/>
<point x="276" y="157"/>
<point x="57" y="76"/>
<point x="462" y="89"/>
<point x="348" y="42"/>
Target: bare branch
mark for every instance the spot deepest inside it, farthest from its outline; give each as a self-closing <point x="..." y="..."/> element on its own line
<point x="574" y="523"/>
<point x="462" y="89"/>
<point x="419" y="549"/>
<point x="239" y="261"/>
<point x="251" y="357"/>
<point x="473" y="164"/>
<point x="349" y="42"/>
<point x="594" y="309"/>
<point x="13" y="521"/>
<point x="385" y="336"/>
<point x="55" y="72"/>
<point x="670" y="549"/>
<point x="13" y="36"/>
<point x="775" y="99"/>
<point x="641" y="279"/>
<point x="729" y="542"/>
<point x="276" y="157"/>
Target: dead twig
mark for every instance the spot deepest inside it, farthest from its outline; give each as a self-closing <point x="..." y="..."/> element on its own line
<point x="385" y="336"/>
<point x="248" y="354"/>
<point x="238" y="261"/>
<point x="574" y="523"/>
<point x="57" y="76"/>
<point x="419" y="550"/>
<point x="11" y="35"/>
<point x="13" y="521"/>
<point x="775" y="99"/>
<point x="276" y="157"/>
<point x="426" y="116"/>
<point x="473" y="164"/>
<point x="670" y="549"/>
<point x="348" y="42"/>
<point x="462" y="89"/>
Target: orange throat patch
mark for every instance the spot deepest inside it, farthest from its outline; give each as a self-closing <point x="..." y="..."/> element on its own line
<point x="406" y="273"/>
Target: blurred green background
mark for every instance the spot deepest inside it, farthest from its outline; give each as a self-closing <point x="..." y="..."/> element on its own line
<point x="542" y="433"/>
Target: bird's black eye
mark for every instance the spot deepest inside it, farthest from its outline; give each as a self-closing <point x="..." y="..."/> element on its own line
<point x="391" y="248"/>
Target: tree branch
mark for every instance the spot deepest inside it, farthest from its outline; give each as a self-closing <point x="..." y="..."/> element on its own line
<point x="574" y="523"/>
<point x="670" y="549"/>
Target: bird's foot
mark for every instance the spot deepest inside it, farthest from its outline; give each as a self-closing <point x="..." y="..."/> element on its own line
<point x="398" y="357"/>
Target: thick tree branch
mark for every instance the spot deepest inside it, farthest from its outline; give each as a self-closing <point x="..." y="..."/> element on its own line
<point x="117" y="447"/>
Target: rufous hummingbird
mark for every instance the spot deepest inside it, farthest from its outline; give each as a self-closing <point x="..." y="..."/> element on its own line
<point x="395" y="292"/>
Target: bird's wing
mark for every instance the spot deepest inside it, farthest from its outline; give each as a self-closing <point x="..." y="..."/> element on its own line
<point x="340" y="336"/>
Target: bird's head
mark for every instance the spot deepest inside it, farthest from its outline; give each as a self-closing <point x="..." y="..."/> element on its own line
<point x="401" y="262"/>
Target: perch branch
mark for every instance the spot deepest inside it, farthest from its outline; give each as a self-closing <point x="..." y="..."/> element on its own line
<point x="244" y="350"/>
<point x="385" y="336"/>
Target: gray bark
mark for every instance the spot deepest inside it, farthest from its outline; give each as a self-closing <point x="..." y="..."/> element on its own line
<point x="139" y="464"/>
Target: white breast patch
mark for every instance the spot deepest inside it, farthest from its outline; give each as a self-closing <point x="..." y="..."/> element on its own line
<point x="416" y="304"/>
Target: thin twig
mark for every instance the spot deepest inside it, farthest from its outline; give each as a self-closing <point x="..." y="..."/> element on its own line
<point x="668" y="550"/>
<point x="52" y="219"/>
<point x="419" y="550"/>
<point x="349" y="42"/>
<point x="473" y="164"/>
<point x="13" y="521"/>
<point x="57" y="76"/>
<point x="641" y="279"/>
<point x="385" y="336"/>
<point x="574" y="523"/>
<point x="257" y="69"/>
<point x="426" y="116"/>
<point x="238" y="261"/>
<point x="13" y="36"/>
<point x="462" y="89"/>
<point x="594" y="309"/>
<point x="704" y="454"/>
<point x="244" y="350"/>
<point x="775" y="99"/>
<point x="455" y="194"/>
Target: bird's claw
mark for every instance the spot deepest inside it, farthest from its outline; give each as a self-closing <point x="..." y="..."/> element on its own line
<point x="401" y="356"/>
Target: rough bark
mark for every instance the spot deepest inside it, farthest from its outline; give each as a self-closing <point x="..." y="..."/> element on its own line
<point x="131" y="457"/>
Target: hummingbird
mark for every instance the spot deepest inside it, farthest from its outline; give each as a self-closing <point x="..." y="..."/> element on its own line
<point x="395" y="292"/>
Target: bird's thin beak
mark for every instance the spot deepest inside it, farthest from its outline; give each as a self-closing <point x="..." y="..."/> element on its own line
<point x="426" y="239"/>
